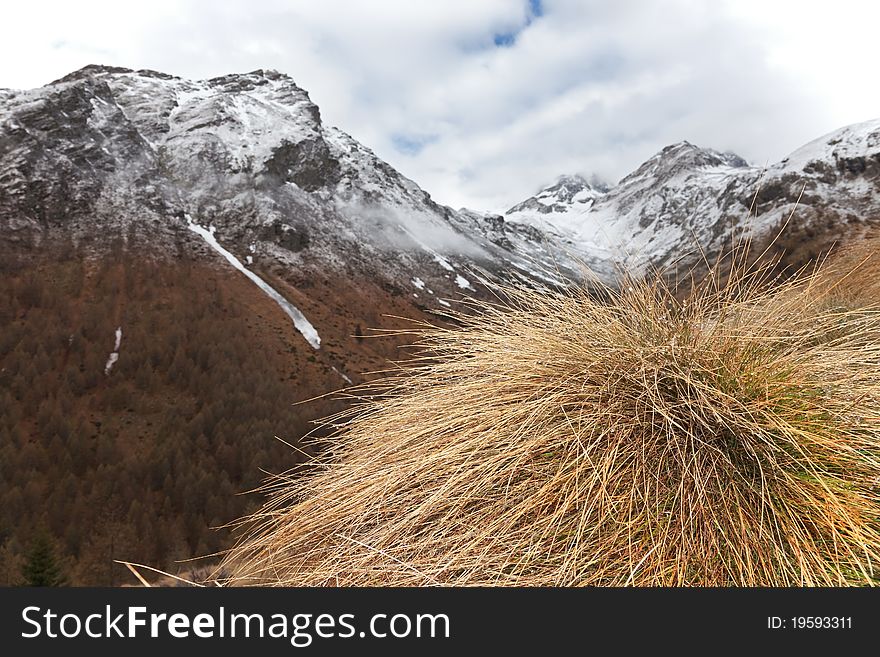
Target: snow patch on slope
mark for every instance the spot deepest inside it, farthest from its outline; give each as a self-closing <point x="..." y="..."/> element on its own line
<point x="299" y="320"/>
<point x="114" y="355"/>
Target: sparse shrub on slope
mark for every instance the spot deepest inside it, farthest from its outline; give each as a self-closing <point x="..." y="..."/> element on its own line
<point x="732" y="438"/>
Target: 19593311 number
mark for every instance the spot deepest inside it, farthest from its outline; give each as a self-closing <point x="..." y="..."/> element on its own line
<point x="810" y="623"/>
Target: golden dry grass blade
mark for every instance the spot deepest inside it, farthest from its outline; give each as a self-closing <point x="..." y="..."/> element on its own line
<point x="137" y="574"/>
<point x="133" y="566"/>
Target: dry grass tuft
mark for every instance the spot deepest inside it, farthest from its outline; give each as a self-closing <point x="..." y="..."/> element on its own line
<point x="731" y="438"/>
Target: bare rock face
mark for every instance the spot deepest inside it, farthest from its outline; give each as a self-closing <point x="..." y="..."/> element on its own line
<point x="308" y="164"/>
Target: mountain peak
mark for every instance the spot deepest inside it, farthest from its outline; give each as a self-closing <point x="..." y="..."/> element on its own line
<point x="257" y="77"/>
<point x="92" y="71"/>
<point x="248" y="154"/>
<point x="594" y="182"/>
<point x="243" y="81"/>
<point x="699" y="156"/>
<point x="568" y="190"/>
<point x="680" y="157"/>
<point x="687" y="201"/>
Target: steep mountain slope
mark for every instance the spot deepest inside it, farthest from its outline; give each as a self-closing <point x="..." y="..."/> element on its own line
<point x="687" y="202"/>
<point x="247" y="154"/>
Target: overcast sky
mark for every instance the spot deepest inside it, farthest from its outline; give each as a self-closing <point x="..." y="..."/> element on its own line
<point x="482" y="102"/>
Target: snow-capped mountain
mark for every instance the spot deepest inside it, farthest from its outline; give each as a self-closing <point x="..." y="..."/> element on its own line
<point x="248" y="159"/>
<point x="242" y="167"/>
<point x="568" y="192"/>
<point x="688" y="203"/>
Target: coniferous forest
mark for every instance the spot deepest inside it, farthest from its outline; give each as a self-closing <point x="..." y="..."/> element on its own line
<point x="141" y="460"/>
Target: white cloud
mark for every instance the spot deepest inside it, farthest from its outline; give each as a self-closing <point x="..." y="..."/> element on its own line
<point x="590" y="86"/>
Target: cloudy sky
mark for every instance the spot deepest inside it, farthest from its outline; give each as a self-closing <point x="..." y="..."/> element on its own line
<point x="484" y="101"/>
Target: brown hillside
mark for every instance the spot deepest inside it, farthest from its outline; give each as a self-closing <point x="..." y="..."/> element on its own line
<point x="140" y="464"/>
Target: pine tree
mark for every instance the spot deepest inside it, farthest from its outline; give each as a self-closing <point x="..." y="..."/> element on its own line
<point x="41" y="567"/>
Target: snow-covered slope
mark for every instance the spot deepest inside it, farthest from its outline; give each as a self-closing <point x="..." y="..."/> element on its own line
<point x="108" y="150"/>
<point x="686" y="203"/>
